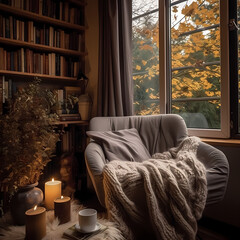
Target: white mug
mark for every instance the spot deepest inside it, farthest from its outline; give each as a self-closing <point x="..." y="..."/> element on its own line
<point x="87" y="219"/>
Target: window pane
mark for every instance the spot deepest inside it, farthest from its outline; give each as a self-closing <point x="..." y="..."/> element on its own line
<point x="145" y="56"/>
<point x="195" y="62"/>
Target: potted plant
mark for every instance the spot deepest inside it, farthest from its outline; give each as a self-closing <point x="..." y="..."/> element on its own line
<point x="27" y="142"/>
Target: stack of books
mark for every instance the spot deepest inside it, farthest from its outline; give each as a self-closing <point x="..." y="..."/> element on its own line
<point x="73" y="233"/>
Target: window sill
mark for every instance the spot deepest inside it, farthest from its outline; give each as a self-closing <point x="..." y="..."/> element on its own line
<point x="222" y="142"/>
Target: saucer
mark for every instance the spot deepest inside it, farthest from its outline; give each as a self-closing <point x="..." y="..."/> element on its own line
<point x="77" y="227"/>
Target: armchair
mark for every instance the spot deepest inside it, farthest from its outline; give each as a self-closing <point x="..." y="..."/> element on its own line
<point x="158" y="133"/>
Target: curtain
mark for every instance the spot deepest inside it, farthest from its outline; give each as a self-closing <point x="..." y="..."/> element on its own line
<point x="115" y="87"/>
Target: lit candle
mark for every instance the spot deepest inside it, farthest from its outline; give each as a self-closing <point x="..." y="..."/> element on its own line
<point x="62" y="209"/>
<point x="52" y="191"/>
<point x="35" y="223"/>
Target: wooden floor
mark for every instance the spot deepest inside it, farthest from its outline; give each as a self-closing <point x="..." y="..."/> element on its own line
<point x="207" y="229"/>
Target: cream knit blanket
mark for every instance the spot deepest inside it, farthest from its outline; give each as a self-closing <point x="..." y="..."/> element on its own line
<point x="164" y="195"/>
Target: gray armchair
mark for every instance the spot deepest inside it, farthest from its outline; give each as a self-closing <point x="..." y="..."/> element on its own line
<point x="158" y="133"/>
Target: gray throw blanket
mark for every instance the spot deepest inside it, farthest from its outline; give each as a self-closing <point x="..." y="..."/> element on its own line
<point x="163" y="196"/>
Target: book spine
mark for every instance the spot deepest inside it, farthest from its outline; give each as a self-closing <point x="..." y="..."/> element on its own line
<point x="1" y="26"/>
<point x="3" y="90"/>
<point x="10" y="88"/>
<point x="1" y="94"/>
<point x="7" y="28"/>
<point x="2" y="59"/>
<point x="22" y="60"/>
<point x="11" y="26"/>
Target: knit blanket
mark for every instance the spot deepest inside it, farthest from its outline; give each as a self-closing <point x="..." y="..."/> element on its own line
<point x="160" y="198"/>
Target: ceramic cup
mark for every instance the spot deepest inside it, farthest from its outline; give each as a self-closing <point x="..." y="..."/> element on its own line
<point x="87" y="219"/>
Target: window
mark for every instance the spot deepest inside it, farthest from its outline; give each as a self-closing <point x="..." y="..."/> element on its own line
<point x="180" y="62"/>
<point x="146" y="57"/>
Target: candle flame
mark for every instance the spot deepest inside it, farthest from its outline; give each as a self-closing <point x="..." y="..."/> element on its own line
<point x="61" y="197"/>
<point x="35" y="208"/>
<point x="52" y="179"/>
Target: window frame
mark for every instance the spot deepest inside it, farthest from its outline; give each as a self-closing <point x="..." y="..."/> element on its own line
<point x="164" y="70"/>
<point x="233" y="54"/>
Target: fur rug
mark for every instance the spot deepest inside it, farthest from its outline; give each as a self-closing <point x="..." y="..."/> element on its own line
<point x="162" y="197"/>
<point x="54" y="230"/>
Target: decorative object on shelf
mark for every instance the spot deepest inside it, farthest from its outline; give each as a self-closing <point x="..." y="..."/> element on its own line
<point x="27" y="137"/>
<point x="84" y="106"/>
<point x="53" y="190"/>
<point x="25" y="198"/>
<point x="35" y="223"/>
<point x="71" y="99"/>
<point x="62" y="209"/>
<point x="83" y="81"/>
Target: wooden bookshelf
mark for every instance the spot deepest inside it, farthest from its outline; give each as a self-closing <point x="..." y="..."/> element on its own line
<point x="66" y="123"/>
<point x="57" y="51"/>
<point x="40" y="18"/>
<point x="33" y="75"/>
<point x="40" y="47"/>
<point x="35" y="40"/>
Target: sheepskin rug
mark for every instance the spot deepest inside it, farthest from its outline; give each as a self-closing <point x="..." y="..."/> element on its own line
<point x="54" y="230"/>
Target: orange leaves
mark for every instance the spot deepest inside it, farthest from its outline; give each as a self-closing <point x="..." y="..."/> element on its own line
<point x="146" y="47"/>
<point x="138" y="67"/>
<point x="175" y="9"/>
<point x="189" y="10"/>
<point x="140" y="42"/>
<point x="194" y="73"/>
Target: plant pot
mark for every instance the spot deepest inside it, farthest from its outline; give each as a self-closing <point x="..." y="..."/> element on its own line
<point x="25" y="198"/>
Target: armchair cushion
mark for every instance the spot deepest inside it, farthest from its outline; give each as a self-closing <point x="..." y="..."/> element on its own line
<point x="123" y="145"/>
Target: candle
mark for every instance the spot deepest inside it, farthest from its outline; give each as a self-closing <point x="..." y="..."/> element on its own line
<point x="35" y="223"/>
<point x="52" y="191"/>
<point x="62" y="209"/>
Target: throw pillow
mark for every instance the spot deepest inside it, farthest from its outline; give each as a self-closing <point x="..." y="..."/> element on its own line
<point x="121" y="145"/>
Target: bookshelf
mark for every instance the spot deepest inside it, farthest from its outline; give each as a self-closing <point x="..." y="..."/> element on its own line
<point x="44" y="39"/>
<point x="41" y="38"/>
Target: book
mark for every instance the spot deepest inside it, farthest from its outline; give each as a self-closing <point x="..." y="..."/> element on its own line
<point x="72" y="233"/>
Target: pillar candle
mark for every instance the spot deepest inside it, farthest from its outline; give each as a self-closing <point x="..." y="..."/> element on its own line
<point x="53" y="190"/>
<point x="62" y="209"/>
<point x="35" y="223"/>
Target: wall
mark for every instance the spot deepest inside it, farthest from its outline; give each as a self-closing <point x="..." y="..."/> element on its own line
<point x="92" y="36"/>
<point x="228" y="210"/>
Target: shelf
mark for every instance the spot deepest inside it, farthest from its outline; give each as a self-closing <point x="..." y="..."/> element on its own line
<point x="41" y="76"/>
<point x="40" y="18"/>
<point x="79" y="122"/>
<point x="40" y="47"/>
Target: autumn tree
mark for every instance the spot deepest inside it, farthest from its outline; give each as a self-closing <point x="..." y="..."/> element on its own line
<point x="195" y="61"/>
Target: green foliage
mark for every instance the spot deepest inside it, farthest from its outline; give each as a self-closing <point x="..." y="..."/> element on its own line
<point x="27" y="137"/>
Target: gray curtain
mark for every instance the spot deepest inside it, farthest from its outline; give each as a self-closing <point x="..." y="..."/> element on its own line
<point x="115" y="87"/>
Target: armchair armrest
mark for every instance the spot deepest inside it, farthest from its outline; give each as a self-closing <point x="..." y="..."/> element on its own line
<point x="217" y="169"/>
<point x="95" y="162"/>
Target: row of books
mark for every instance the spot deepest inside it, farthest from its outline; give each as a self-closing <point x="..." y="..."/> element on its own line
<point x="62" y="10"/>
<point x="13" y="28"/>
<point x="26" y="60"/>
<point x="66" y="113"/>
